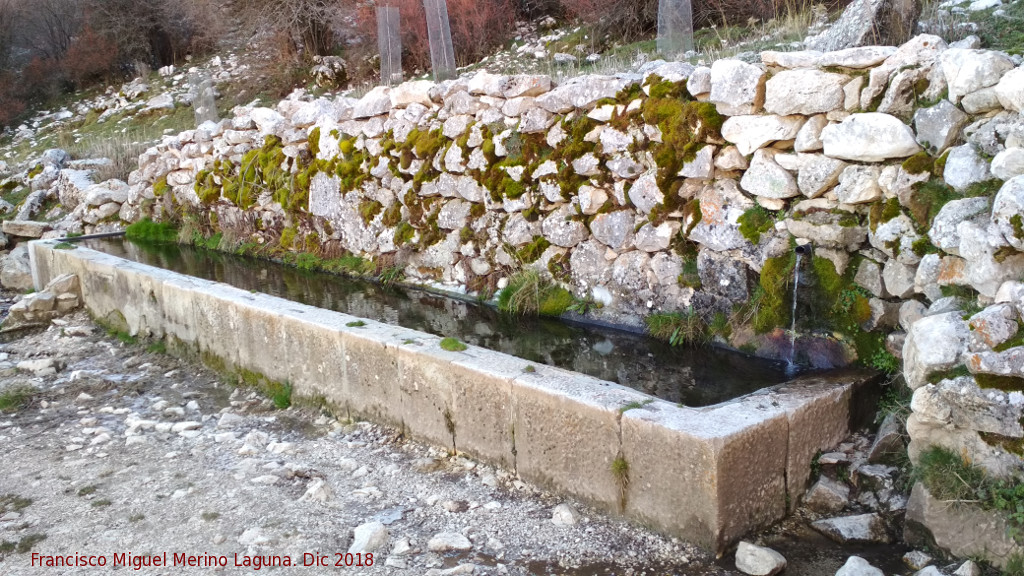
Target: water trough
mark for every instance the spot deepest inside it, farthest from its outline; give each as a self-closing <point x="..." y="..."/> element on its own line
<point x="708" y="475"/>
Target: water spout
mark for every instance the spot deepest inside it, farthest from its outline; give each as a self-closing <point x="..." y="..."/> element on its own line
<point x="791" y="367"/>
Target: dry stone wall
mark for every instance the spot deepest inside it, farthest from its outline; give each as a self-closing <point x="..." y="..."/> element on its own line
<point x="675" y="189"/>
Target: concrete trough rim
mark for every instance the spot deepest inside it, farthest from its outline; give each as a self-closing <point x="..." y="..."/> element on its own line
<point x="585" y="402"/>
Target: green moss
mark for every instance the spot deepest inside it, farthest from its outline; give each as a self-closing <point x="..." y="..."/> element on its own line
<point x="404" y="234"/>
<point x="756" y="221"/>
<point x="952" y="374"/>
<point x="161" y="187"/>
<point x="146" y="230"/>
<point x="369" y="209"/>
<point x="1004" y="383"/>
<point x="923" y="246"/>
<point x="314" y="142"/>
<point x="830" y="284"/>
<point x="1018" y="226"/>
<point x="919" y="163"/>
<point x="356" y="324"/>
<point x="531" y="252"/>
<point x="453" y="345"/>
<point x="928" y="198"/>
<point x="427" y="145"/>
<point x="393" y="215"/>
<point x="772" y="296"/>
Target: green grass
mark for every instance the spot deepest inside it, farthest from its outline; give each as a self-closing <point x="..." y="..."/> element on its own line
<point x="636" y="404"/>
<point x="146" y="230"/>
<point x="87" y="490"/>
<point x="157" y="348"/>
<point x="16" y="397"/>
<point x="356" y="324"/>
<point x="22" y="546"/>
<point x="528" y="293"/>
<point x="678" y="328"/>
<point x="453" y="345"/>
<point x="13" y="503"/>
<point x="1004" y="33"/>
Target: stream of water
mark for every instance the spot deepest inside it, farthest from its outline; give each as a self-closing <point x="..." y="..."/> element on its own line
<point x="689" y="376"/>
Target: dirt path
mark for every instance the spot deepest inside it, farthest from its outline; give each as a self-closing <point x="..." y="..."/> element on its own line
<point x="127" y="451"/>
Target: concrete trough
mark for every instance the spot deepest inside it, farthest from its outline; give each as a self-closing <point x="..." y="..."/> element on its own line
<point x="707" y="475"/>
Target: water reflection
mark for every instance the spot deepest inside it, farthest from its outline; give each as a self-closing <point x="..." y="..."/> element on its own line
<point x="689" y="376"/>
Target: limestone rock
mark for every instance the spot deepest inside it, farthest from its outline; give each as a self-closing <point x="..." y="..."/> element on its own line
<point x="1008" y="211"/>
<point x="758" y="560"/>
<point x="857" y="57"/>
<point x="1010" y="90"/>
<point x="614" y="229"/>
<point x="729" y="159"/>
<point x="449" y="542"/>
<point x="374" y="103"/>
<point x="869" y="277"/>
<point x="737" y="88"/>
<point x="868" y="22"/>
<point x="899" y="278"/>
<point x="562" y="230"/>
<point x="818" y="173"/>
<point x="645" y="193"/>
<point x="869" y="137"/>
<point x="964" y="166"/>
<point x="699" y="82"/>
<point x="25" y="228"/>
<point x="565" y="515"/>
<point x="525" y="85"/>
<point x="933" y="344"/>
<point x="859" y="185"/>
<point x="1008" y="163"/>
<point x="766" y="178"/>
<point x="944" y="231"/>
<point x="825" y="229"/>
<point x="808" y="138"/>
<point x="938" y="127"/>
<point x="15" y="270"/>
<point x="651" y="238"/>
<point x="863" y="528"/>
<point x="724" y="276"/>
<point x="986" y="265"/>
<point x="827" y="496"/>
<point x="857" y="566"/>
<point x="805" y="92"/>
<point x="752" y="132"/>
<point x="992" y="326"/>
<point x="369" y="537"/>
<point x="721" y="206"/>
<point x="896" y="239"/>
<point x="944" y="525"/>
<point x="968" y="71"/>
<point x="888" y="441"/>
<point x="581" y="92"/>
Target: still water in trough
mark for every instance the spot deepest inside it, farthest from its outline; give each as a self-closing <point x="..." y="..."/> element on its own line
<point x="691" y="376"/>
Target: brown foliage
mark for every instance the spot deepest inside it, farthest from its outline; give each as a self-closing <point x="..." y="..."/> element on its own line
<point x="90" y="58"/>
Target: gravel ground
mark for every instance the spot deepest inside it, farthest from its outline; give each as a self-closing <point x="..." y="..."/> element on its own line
<point x="124" y="450"/>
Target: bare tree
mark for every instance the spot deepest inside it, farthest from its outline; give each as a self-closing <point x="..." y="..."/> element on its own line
<point x="49" y="26"/>
<point x="7" y="27"/>
<point x="306" y="25"/>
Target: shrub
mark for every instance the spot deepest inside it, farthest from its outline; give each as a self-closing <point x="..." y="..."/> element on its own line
<point x="91" y="57"/>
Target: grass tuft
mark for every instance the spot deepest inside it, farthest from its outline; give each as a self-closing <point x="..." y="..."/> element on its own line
<point x="453" y="345"/>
